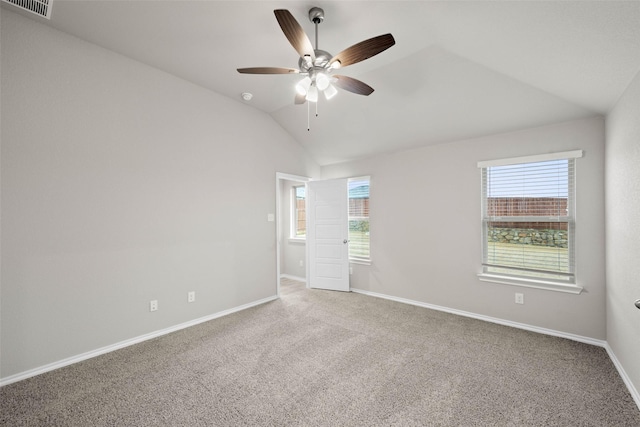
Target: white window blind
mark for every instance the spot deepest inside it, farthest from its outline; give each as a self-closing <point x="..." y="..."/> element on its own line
<point x="528" y="217"/>
<point x="359" y="239"/>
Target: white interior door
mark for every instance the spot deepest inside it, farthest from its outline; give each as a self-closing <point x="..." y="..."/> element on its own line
<point x="327" y="235"/>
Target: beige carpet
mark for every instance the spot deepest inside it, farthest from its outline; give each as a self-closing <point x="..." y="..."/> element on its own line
<point x="316" y="358"/>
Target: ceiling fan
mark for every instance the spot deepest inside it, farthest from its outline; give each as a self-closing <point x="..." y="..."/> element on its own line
<point x="318" y="65"/>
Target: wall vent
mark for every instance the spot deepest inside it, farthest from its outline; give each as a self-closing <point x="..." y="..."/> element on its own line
<point x="39" y="7"/>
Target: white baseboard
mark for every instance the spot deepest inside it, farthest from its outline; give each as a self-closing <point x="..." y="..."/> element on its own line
<point x="90" y="354"/>
<point x="600" y="343"/>
<point x="292" y="277"/>
<point x="579" y="338"/>
<point x="634" y="392"/>
<point x="126" y="343"/>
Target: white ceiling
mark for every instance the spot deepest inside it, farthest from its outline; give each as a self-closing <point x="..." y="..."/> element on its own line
<point x="458" y="69"/>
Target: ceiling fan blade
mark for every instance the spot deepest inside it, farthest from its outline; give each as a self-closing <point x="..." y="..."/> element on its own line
<point x="364" y="50"/>
<point x="352" y="85"/>
<point x="300" y="99"/>
<point x="268" y="70"/>
<point x="294" y="32"/>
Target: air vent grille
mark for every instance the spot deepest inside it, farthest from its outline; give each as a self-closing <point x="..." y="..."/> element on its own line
<point x="39" y="7"/>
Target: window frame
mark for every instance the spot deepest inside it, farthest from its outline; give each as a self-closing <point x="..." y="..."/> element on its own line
<point x="293" y="227"/>
<point x="358" y="259"/>
<point x="570" y="285"/>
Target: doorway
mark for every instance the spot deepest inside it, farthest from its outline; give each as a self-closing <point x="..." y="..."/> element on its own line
<point x="291" y="248"/>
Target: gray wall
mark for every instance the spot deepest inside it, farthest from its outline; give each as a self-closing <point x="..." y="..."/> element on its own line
<point x="425" y="228"/>
<point x="122" y="184"/>
<point x="622" y="184"/>
<point x="292" y="251"/>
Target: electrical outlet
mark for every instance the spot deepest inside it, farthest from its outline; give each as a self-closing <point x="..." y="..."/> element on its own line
<point x="301" y="263"/>
<point x="153" y="305"/>
<point x="191" y="296"/>
<point x="519" y="298"/>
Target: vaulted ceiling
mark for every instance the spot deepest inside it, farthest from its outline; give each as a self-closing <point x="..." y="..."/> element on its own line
<point x="458" y="69"/>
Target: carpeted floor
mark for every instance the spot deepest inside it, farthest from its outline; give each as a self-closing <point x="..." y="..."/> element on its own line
<point x="316" y="358"/>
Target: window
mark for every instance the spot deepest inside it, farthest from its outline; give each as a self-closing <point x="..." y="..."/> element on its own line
<point x="528" y="219"/>
<point x="298" y="214"/>
<point x="359" y="219"/>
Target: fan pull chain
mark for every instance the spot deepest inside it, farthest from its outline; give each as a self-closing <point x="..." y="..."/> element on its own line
<point x="309" y="114"/>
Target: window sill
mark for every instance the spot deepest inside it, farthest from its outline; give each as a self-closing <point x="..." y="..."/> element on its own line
<point x="530" y="283"/>
<point x="298" y="240"/>
<point x="360" y="261"/>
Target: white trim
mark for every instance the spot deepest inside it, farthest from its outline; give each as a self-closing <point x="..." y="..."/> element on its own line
<point x="632" y="390"/>
<point x="126" y="343"/>
<point x="529" y="218"/>
<point x="545" y="331"/>
<point x="531" y="159"/>
<point x="297" y="240"/>
<point x="88" y="355"/>
<point x="360" y="178"/>
<point x="292" y="277"/>
<point x="289" y="177"/>
<point x="530" y="283"/>
<point x="635" y="394"/>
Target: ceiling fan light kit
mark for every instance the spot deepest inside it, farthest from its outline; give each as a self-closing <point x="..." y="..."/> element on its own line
<point x="303" y="86"/>
<point x="312" y="94"/>
<point x="317" y="65"/>
<point x="330" y="92"/>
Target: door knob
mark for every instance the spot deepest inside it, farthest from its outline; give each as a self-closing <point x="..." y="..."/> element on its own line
<point x="638" y="303"/>
<point x="345" y="241"/>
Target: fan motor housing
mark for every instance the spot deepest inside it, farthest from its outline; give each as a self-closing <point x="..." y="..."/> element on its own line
<point x="321" y="61"/>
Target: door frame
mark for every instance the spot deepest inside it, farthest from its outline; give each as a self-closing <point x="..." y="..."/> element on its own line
<point x="295" y="178"/>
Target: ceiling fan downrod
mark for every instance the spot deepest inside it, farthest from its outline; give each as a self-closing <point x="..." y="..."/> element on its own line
<point x="316" y="15"/>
